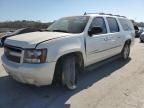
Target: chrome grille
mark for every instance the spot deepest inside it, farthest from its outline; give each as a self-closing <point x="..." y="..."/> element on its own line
<point x="13" y="53"/>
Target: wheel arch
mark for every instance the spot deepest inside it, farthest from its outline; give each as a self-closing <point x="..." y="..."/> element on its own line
<point x="79" y="61"/>
<point x="128" y="41"/>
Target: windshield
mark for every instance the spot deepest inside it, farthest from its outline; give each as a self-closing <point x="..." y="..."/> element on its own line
<point x="70" y="24"/>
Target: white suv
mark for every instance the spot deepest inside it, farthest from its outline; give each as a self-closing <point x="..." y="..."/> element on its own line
<point x="67" y="47"/>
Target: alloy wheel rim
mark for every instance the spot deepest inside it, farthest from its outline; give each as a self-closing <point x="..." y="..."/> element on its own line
<point x="126" y="52"/>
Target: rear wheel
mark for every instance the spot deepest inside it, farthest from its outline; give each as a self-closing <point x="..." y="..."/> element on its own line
<point x="125" y="52"/>
<point x="69" y="72"/>
<point x="141" y="40"/>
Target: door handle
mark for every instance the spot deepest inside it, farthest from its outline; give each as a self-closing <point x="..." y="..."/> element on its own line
<point x="105" y="39"/>
<point x="109" y="38"/>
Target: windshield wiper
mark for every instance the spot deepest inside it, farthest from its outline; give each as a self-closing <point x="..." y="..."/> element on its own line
<point x="48" y="30"/>
<point x="57" y="31"/>
<point x="60" y="31"/>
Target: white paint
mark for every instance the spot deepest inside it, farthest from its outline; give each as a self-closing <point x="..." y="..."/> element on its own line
<point x="59" y="44"/>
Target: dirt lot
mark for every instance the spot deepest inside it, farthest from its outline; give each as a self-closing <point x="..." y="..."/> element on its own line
<point x="114" y="85"/>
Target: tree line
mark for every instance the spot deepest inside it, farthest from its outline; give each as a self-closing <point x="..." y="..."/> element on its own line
<point x="13" y="25"/>
<point x="141" y="24"/>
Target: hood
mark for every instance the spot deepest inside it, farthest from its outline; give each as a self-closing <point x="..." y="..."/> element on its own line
<point x="30" y="40"/>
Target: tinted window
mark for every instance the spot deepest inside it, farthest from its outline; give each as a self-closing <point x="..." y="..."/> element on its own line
<point x="113" y="25"/>
<point x="126" y="24"/>
<point x="99" y="22"/>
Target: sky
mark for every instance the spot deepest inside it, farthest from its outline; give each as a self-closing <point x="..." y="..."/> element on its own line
<point x="49" y="10"/>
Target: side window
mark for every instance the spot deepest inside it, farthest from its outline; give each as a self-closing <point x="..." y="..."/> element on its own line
<point x="126" y="24"/>
<point x="113" y="25"/>
<point x="99" y="22"/>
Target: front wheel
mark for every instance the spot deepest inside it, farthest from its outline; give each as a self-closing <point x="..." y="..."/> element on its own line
<point x="125" y="52"/>
<point x="69" y="73"/>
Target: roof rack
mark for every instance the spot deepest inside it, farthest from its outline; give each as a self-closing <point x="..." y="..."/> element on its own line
<point x="105" y="14"/>
<point x="119" y="16"/>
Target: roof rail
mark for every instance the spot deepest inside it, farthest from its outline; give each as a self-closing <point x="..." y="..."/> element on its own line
<point x="105" y="14"/>
<point x="120" y="16"/>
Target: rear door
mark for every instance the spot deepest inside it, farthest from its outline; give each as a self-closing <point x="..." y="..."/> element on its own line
<point x="115" y="36"/>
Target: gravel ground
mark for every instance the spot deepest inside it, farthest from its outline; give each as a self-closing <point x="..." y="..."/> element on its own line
<point x="116" y="84"/>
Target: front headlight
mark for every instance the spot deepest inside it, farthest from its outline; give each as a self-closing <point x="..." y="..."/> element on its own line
<point x="35" y="55"/>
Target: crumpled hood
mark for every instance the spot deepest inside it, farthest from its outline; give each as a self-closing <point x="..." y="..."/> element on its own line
<point x="30" y="40"/>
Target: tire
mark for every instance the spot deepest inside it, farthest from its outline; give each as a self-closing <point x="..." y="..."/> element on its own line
<point x="69" y="73"/>
<point x="125" y="52"/>
<point x="141" y="41"/>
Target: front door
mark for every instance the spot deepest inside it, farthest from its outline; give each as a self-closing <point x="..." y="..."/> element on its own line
<point x="97" y="45"/>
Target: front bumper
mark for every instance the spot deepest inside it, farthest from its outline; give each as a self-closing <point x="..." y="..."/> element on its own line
<point x="35" y="74"/>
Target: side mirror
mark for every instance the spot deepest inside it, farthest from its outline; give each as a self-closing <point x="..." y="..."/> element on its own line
<point x="95" y="30"/>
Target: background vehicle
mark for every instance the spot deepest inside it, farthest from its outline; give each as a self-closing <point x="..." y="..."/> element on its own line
<point x="19" y="31"/>
<point x="138" y="31"/>
<point x="137" y="34"/>
<point x="69" y="45"/>
<point x="141" y="30"/>
<point x="142" y="37"/>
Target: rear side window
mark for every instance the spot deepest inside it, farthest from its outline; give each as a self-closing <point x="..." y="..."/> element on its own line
<point x="113" y="25"/>
<point x="99" y="22"/>
<point x="126" y="24"/>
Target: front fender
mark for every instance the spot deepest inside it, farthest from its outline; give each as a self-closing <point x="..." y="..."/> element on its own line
<point x="59" y="47"/>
